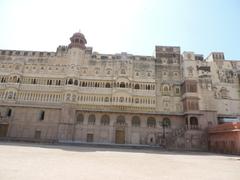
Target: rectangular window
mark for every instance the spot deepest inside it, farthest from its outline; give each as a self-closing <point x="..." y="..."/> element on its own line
<point x="193" y="88"/>
<point x="42" y="115"/>
<point x="9" y="112"/>
<point x="177" y="90"/>
<point x="189" y="86"/>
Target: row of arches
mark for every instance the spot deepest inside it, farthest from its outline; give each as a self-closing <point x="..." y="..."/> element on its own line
<point x="11" y="79"/>
<point x="26" y="80"/>
<point x="58" y="82"/>
<point x="58" y="97"/>
<point x="96" y="84"/>
<point x="120" y="120"/>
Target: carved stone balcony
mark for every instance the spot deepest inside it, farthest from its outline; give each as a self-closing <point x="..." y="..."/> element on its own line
<point x="39" y="87"/>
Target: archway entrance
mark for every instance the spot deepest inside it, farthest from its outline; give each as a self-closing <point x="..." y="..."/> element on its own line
<point x="120" y="130"/>
<point x="120" y="137"/>
<point x="3" y="130"/>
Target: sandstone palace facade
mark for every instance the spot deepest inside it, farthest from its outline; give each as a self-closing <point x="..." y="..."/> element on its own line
<point x="77" y="95"/>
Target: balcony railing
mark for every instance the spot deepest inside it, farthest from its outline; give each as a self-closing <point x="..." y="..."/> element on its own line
<point x="193" y="127"/>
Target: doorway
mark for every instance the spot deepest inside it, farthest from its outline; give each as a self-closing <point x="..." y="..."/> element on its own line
<point x="120" y="137"/>
<point x="3" y="130"/>
<point x="89" y="137"/>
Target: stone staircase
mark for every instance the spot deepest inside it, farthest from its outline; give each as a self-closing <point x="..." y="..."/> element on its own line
<point x="173" y="136"/>
<point x="186" y="138"/>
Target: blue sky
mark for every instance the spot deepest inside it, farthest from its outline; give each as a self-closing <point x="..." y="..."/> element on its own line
<point x="133" y="26"/>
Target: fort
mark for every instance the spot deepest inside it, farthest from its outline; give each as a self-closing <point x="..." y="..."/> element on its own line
<point x="78" y="95"/>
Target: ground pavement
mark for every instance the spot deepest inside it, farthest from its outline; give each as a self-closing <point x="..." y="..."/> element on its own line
<point x="25" y="161"/>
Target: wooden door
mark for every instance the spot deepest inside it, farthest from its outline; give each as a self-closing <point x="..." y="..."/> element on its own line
<point x="3" y="130"/>
<point x="89" y="137"/>
<point x="120" y="137"/>
<point x="37" y="134"/>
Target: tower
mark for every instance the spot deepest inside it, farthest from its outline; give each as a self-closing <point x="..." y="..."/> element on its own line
<point x="78" y="40"/>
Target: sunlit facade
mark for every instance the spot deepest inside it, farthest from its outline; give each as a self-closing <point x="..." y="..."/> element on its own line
<point x="77" y="95"/>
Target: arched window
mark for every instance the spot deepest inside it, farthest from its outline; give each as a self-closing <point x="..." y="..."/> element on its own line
<point x="79" y="119"/>
<point x="107" y="85"/>
<point x="121" y="120"/>
<point x="165" y="88"/>
<point x="14" y="78"/>
<point x="91" y="119"/>
<point x="193" y="123"/>
<point x="148" y="87"/>
<point x="105" y="120"/>
<point x="3" y="80"/>
<point x="166" y="122"/>
<point x="151" y="122"/>
<point x="70" y="81"/>
<point x="135" y="121"/>
<point x="76" y="82"/>
<point x="33" y="81"/>
<point x="49" y="82"/>
<point x="106" y="99"/>
<point x="122" y="85"/>
<point x="136" y="86"/>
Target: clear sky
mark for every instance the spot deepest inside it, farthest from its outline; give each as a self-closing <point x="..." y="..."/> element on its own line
<point x="114" y="26"/>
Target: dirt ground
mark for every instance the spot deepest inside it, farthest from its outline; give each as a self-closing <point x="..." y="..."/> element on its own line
<point x="23" y="161"/>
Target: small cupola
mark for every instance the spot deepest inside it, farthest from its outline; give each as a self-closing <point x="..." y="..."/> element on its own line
<point x="77" y="41"/>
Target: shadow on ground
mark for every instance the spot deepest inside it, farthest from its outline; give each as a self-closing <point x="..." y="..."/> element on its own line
<point x="109" y="148"/>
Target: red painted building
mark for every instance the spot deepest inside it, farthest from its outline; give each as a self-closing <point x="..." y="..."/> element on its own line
<point x="225" y="138"/>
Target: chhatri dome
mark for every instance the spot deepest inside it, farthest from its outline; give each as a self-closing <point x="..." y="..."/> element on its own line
<point x="78" y="40"/>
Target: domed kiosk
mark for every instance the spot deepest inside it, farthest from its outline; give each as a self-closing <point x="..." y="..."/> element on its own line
<point x="78" y="40"/>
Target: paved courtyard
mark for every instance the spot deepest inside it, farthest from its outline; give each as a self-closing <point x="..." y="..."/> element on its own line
<point x="39" y="162"/>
